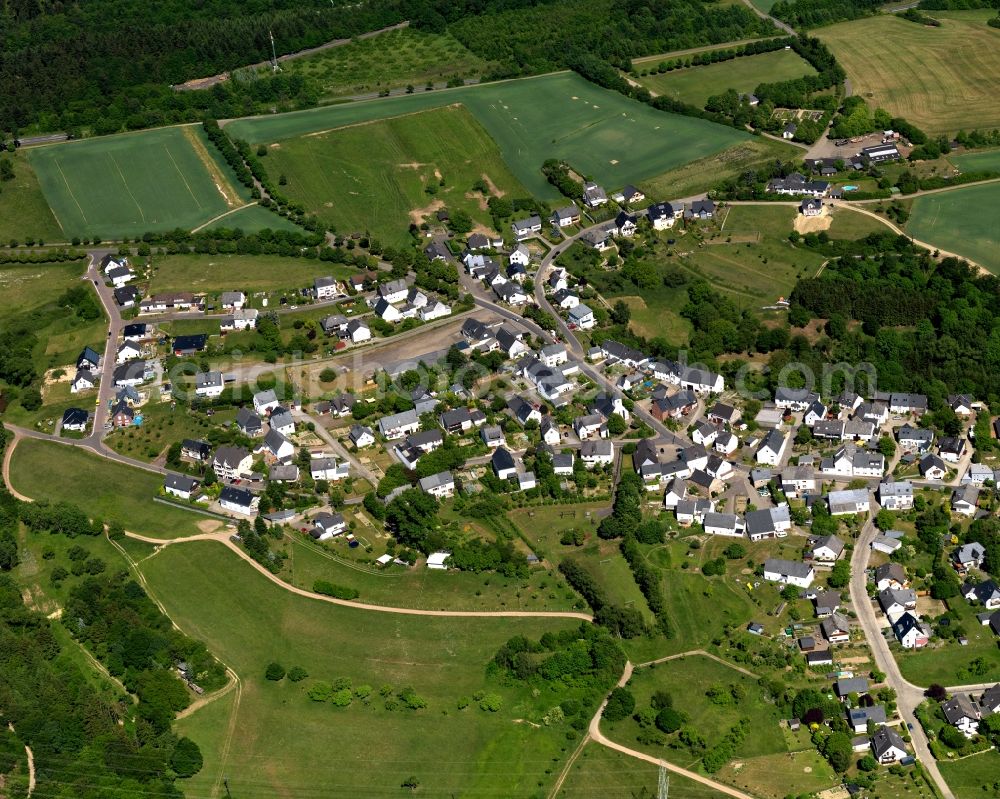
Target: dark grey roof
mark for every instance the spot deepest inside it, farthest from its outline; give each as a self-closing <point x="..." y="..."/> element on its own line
<point x="502" y="460"/>
<point x="180" y="482"/>
<point x="884" y="739"/>
<point x="237" y="496"/>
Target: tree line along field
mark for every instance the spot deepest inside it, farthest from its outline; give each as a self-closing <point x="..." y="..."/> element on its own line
<point x="377" y="177"/>
<point x="363" y="749"/>
<point x="599" y="132"/>
<point x="960" y="222"/>
<point x="694" y="85"/>
<point x="128" y="184"/>
<point x="941" y="79"/>
<point x="390" y="60"/>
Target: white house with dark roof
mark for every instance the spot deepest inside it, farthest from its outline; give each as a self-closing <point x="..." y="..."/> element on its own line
<point x="910" y="631"/>
<point x="599" y="452"/>
<point x="362" y="436"/>
<point x="398" y="425"/>
<point x="964" y="500"/>
<point x="789" y="572"/>
<point x="265" y="401"/>
<point x="238" y="500"/>
<point x="896" y="495"/>
<point x="887" y="745"/>
<point x="772" y="448"/>
<point x="594" y="196"/>
<point x="567" y="216"/>
<point x="726" y="524"/>
<point x="963" y="714"/>
<point x="208" y="384"/>
<point x="523" y="228"/>
<point x="581" y="316"/>
<point x="849" y="501"/>
<point x="439" y="485"/>
<point x="180" y="485"/>
<point x="826" y="548"/>
<point x="325" y="288"/>
<point x="661" y="216"/>
<point x="932" y="467"/>
<point x="968" y="556"/>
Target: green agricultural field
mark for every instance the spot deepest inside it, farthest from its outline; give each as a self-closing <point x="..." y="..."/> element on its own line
<point x="602" y="773"/>
<point x="126" y="185"/>
<point x="848" y="224"/>
<point x="956" y="222"/>
<point x="984" y="160"/>
<point x="973" y="777"/>
<point x="695" y="85"/>
<point x="941" y="79"/>
<point x="254" y="218"/>
<point x="24" y="212"/>
<point x="388" y="61"/>
<point x="601" y="133"/>
<point x="217" y="273"/>
<point x="364" y="749"/>
<point x="703" y="173"/>
<point x="380" y="177"/>
<point x="57" y="472"/>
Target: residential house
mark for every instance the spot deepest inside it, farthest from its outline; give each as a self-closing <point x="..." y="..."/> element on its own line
<point x="597" y="453"/>
<point x="797" y="481"/>
<point x="436" y="251"/>
<point x="136" y="331"/>
<point x="689" y="511"/>
<point x="812" y="206"/>
<point x="661" y="216"/>
<point x="593" y="195"/>
<point x="523" y="410"/>
<point x="826" y="603"/>
<point x="130" y="373"/>
<point x="361" y="436"/>
<point x="961" y="404"/>
<point x="836" y="628"/>
<point x="965" y="500"/>
<point x="581" y="317"/>
<point x="394" y="291"/>
<point x="674" y="406"/>
<point x="829" y="430"/>
<point x="179" y="485"/>
<point x="565" y="217"/>
<point x="159" y="303"/>
<point x="887" y="745"/>
<point x="238" y="500"/>
<point x="562" y="463"/>
<point x="932" y="467"/>
<point x="963" y="714"/>
<point x="968" y="556"/>
<point x="789" y="572"/>
<point x="826" y="548"/>
<point x="772" y="449"/>
<point x="231" y="463"/>
<point x="977" y="474"/>
<point x="265" y="401"/>
<point x="523" y="228"/>
<point x="896" y="495"/>
<point x="676" y="491"/>
<point x="591" y="425"/>
<point x="386" y="311"/>
<point x="910" y="632"/>
<point x="721" y="414"/>
<point x="628" y="195"/>
<point x="249" y="423"/>
<point x="503" y="464"/>
<point x="848" y="502"/>
<point x="914" y="439"/>
<point x="510" y="341"/>
<point x="902" y="403"/>
<point x="75" y="419"/>
<point x="196" y="450"/>
<point x="858" y="717"/>
<point x="461" y="420"/>
<point x="816" y="412"/>
<point x="510" y="293"/>
<point x="282" y="421"/>
<point x="208" y="384"/>
<point x="126" y="296"/>
<point x="327" y="525"/>
<point x="83" y="380"/>
<point x="275" y="447"/>
<point x="241" y="319"/>
<point x="890" y="575"/>
<point x="726" y="443"/>
<point x="768" y="523"/>
<point x="793" y="399"/>
<point x="399" y="424"/>
<point x="987" y="593"/>
<point x="325" y="288"/>
<point x="232" y="300"/>
<point x="727" y="524"/>
<point x="325" y="467"/>
<point x="625" y="224"/>
<point x="439" y="485"/>
<point x="88" y="359"/>
<point x="492" y="436"/>
<point x="189" y="345"/>
<point x="896" y="601"/>
<point x="122" y="414"/>
<point x="358" y="331"/>
<point x="951" y="449"/>
<point x="520" y="256"/>
<point x="435" y="310"/>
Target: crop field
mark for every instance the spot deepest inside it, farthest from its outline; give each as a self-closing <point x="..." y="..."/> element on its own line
<point x="216" y="273"/>
<point x="364" y="749"/>
<point x="381" y="176"/>
<point x="695" y="85"/>
<point x="387" y="61"/>
<point x="23" y="210"/>
<point x="974" y="161"/>
<point x="56" y="472"/>
<point x="129" y="184"/>
<point x="941" y="79"/>
<point x="956" y="222"/>
<point x="599" y="132"/>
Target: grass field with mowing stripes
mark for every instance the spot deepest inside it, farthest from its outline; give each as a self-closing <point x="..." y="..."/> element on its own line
<point x="601" y="133"/>
<point x="941" y="79"/>
<point x="126" y="185"/>
<point x="959" y="221"/>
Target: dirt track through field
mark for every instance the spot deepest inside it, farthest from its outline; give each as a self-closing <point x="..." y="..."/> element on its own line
<point x="226" y="189"/>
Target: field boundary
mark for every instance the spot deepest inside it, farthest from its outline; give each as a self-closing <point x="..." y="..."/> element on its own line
<point x="222" y="183"/>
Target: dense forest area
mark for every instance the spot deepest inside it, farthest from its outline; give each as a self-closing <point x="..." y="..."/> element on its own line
<point x="108" y="65"/>
<point x="805" y="14"/>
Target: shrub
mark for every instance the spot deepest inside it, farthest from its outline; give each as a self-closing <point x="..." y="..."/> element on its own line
<point x="669" y="720"/>
<point x="491" y="702"/>
<point x="297" y="674"/>
<point x="620" y="705"/>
